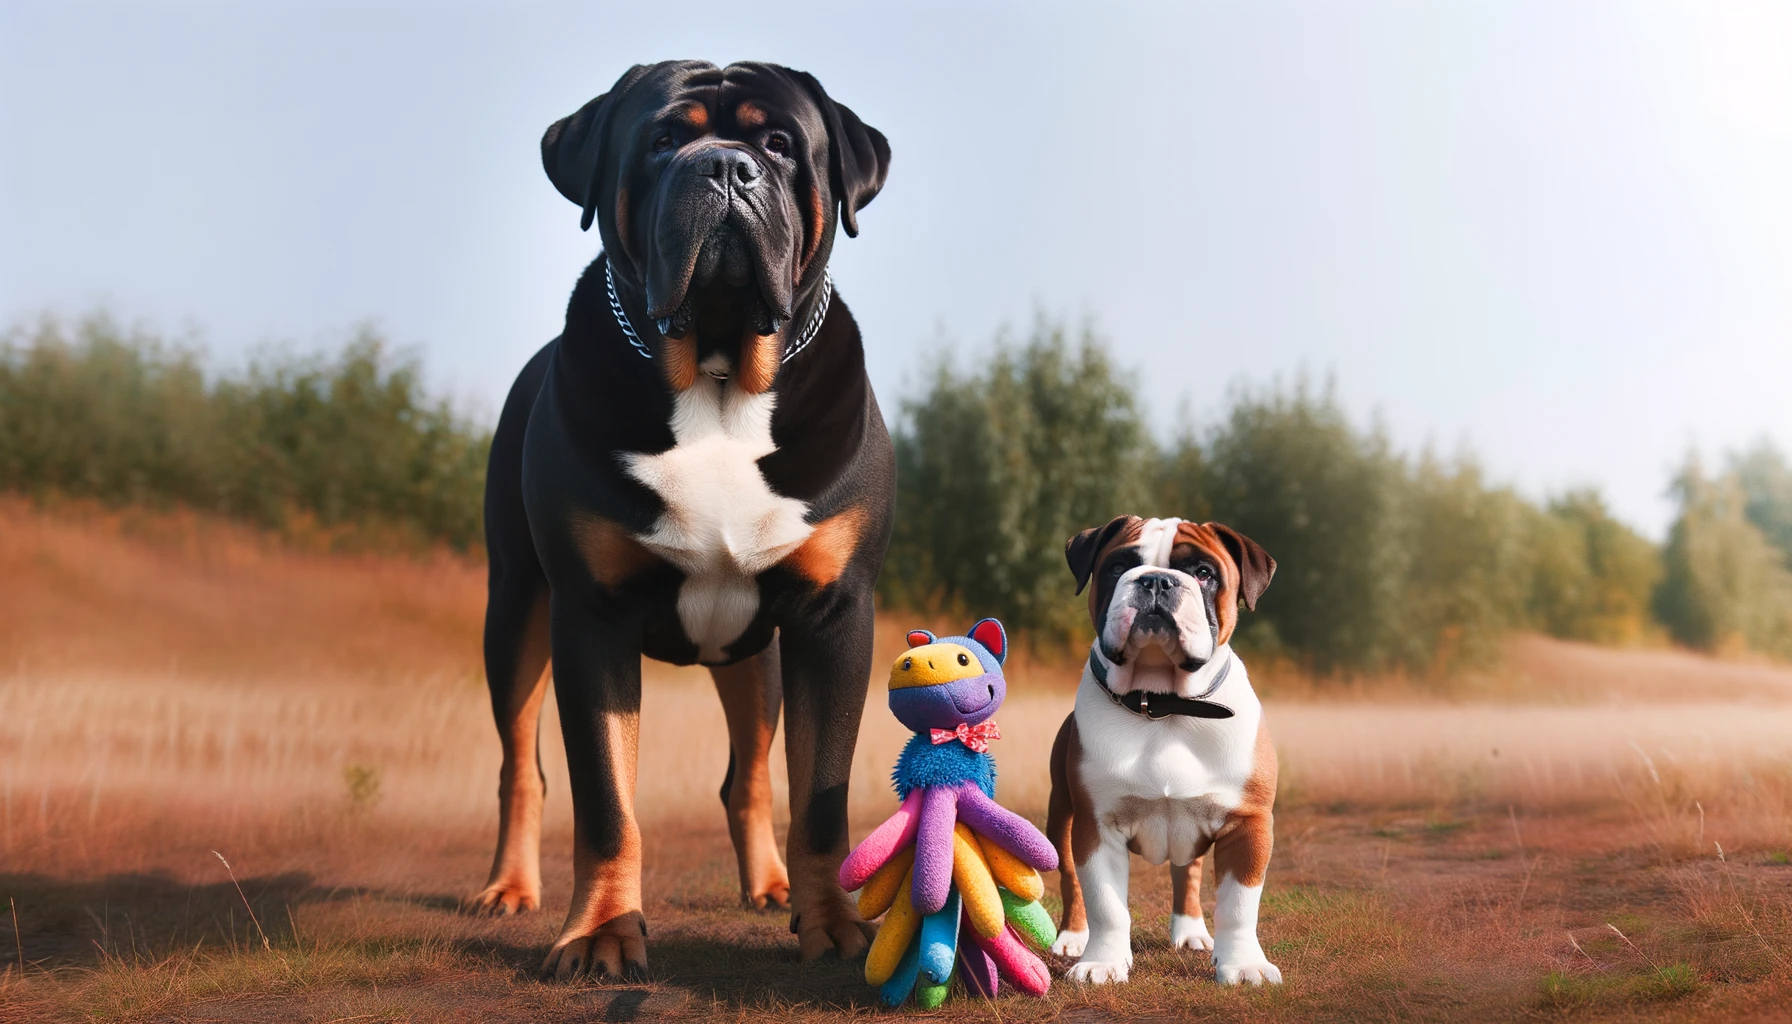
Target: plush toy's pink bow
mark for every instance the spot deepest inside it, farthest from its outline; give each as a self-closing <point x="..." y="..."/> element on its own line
<point x="976" y="737"/>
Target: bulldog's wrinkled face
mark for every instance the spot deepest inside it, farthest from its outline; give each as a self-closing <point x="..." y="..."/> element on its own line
<point x="1164" y="593"/>
<point x="717" y="191"/>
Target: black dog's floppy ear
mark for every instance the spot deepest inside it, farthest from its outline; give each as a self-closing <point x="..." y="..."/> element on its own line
<point x="1083" y="549"/>
<point x="572" y="147"/>
<point x="858" y="155"/>
<point x="1255" y="567"/>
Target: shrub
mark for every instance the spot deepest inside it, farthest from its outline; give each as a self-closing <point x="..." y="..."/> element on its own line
<point x="1287" y="469"/>
<point x="1593" y="575"/>
<point x="1724" y="586"/>
<point x="350" y="440"/>
<point x="1766" y="482"/>
<point x="998" y="466"/>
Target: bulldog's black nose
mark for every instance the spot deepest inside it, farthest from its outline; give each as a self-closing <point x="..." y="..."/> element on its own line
<point x="727" y="164"/>
<point x="1157" y="584"/>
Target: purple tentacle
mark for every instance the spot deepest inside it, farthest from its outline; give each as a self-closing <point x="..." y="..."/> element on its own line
<point x="980" y="974"/>
<point x="1009" y="830"/>
<point x="933" y="849"/>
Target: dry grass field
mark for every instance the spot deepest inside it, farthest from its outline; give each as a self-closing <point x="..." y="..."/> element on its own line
<point x="240" y="781"/>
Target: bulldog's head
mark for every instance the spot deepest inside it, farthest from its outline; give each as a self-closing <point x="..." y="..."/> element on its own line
<point x="716" y="192"/>
<point x="1164" y="594"/>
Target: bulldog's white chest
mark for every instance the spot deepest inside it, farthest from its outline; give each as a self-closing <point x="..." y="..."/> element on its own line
<point x="723" y="525"/>
<point x="1165" y="786"/>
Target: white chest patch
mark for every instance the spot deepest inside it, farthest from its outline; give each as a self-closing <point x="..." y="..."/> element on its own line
<point x="1167" y="785"/>
<point x="723" y="524"/>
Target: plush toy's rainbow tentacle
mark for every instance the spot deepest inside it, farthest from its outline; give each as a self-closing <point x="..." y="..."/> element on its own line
<point x="894" y="991"/>
<point x="1016" y="962"/>
<point x="1011" y="873"/>
<point x="979" y="971"/>
<point x="933" y="847"/>
<point x="879" y="892"/>
<point x="1006" y="828"/>
<point x="929" y="996"/>
<point x="939" y="942"/>
<point x="1029" y="920"/>
<point x="971" y="878"/>
<point x="889" y="949"/>
<point x="895" y="834"/>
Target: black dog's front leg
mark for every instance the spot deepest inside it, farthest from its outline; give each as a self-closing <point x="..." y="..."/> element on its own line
<point x="597" y="681"/>
<point x="826" y="667"/>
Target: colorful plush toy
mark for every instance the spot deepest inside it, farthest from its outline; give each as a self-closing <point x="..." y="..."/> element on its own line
<point x="955" y="873"/>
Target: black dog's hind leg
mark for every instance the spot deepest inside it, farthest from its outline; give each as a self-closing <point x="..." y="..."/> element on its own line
<point x="751" y="694"/>
<point x="826" y="661"/>
<point x="516" y="653"/>
<point x="597" y="685"/>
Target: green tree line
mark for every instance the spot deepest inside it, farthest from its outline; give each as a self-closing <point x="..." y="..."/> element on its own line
<point x="93" y="410"/>
<point x="1386" y="561"/>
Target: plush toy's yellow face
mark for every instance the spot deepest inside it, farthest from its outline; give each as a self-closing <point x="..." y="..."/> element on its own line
<point x="931" y="664"/>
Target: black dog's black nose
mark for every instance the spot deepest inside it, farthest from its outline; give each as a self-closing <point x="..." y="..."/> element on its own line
<point x="1157" y="584"/>
<point x="729" y="164"/>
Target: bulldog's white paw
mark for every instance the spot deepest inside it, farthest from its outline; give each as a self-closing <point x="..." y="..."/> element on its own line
<point x="1261" y="972"/>
<point x="1094" y="972"/>
<point x="1189" y="932"/>
<point x="1071" y="943"/>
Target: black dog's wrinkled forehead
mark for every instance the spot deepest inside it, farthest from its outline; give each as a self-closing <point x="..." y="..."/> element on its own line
<point x="608" y="133"/>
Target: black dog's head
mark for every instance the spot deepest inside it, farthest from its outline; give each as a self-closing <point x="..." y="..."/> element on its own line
<point x="716" y="192"/>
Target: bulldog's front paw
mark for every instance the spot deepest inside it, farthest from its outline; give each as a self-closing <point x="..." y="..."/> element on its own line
<point x="1260" y="972"/>
<point x="1096" y="972"/>
<point x="823" y="917"/>
<point x="1069" y="943"/>
<point x="1189" y="932"/>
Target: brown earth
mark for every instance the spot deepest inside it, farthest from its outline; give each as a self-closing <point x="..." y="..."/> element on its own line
<point x="1583" y="834"/>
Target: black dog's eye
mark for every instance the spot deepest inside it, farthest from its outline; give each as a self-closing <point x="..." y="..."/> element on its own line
<point x="662" y="142"/>
<point x="778" y="142"/>
<point x="964" y="659"/>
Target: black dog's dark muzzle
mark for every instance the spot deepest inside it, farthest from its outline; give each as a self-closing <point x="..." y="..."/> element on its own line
<point x="730" y="168"/>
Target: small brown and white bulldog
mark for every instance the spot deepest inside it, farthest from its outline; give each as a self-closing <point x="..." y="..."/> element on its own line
<point x="1166" y="754"/>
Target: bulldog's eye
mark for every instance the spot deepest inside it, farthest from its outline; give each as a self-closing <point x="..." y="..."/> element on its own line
<point x="662" y="142"/>
<point x="1204" y="573"/>
<point x="779" y="143"/>
<point x="964" y="659"/>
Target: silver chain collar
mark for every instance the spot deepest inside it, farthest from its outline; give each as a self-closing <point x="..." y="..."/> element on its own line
<point x="802" y="340"/>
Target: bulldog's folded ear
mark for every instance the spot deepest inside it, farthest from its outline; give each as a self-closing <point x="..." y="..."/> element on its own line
<point x="572" y="147"/>
<point x="1083" y="550"/>
<point x="858" y="155"/>
<point x="1255" y="567"/>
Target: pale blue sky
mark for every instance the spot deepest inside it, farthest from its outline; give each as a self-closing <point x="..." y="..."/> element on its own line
<point x="1560" y="233"/>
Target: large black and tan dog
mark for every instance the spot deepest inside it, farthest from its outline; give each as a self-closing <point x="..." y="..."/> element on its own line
<point x="695" y="470"/>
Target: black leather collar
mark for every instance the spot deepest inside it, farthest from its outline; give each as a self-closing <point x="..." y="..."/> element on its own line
<point x="1162" y="705"/>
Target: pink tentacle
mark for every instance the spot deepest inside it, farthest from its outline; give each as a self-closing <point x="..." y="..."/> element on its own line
<point x="1016" y="962"/>
<point x="884" y="842"/>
